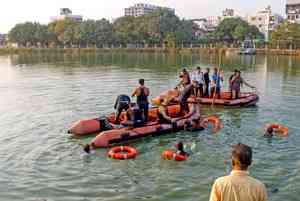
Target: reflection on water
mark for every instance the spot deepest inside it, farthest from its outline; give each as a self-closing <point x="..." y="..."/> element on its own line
<point x="42" y="94"/>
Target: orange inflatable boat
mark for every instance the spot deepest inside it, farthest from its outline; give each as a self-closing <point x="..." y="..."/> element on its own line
<point x="246" y="99"/>
<point x="116" y="136"/>
<point x="89" y="126"/>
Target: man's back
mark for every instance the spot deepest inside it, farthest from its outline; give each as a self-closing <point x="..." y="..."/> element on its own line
<point x="238" y="186"/>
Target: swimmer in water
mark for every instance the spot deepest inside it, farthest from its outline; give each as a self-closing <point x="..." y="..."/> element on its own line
<point x="180" y="149"/>
<point x="269" y="132"/>
<point x="89" y="148"/>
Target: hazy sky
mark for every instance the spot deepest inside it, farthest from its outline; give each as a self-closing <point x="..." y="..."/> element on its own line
<point x="17" y="11"/>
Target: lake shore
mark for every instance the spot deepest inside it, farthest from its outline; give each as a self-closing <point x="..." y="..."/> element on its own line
<point x="263" y="51"/>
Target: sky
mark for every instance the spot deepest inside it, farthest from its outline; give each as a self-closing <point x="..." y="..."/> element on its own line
<point x="18" y="11"/>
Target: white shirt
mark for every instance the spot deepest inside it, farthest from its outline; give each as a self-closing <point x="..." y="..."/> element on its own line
<point x="197" y="76"/>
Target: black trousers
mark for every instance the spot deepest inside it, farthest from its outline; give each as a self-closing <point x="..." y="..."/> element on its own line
<point x="144" y="106"/>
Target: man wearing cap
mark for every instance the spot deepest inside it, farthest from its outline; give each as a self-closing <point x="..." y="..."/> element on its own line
<point x="239" y="186"/>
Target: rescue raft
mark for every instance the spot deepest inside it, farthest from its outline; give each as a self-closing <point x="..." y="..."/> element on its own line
<point x="246" y="99"/>
<point x="88" y="126"/>
<point x="117" y="136"/>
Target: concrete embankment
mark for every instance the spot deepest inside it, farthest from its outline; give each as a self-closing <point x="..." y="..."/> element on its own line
<point x="146" y="50"/>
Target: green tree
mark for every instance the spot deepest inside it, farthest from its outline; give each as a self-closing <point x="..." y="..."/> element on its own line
<point x="104" y="33"/>
<point x="125" y="30"/>
<point x="65" y="32"/>
<point x="286" y="34"/>
<point x="29" y="33"/>
<point x="236" y="29"/>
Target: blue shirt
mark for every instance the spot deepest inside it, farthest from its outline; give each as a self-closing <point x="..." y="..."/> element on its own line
<point x="217" y="79"/>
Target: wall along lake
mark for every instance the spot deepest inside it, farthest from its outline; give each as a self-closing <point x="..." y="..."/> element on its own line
<point x="42" y="94"/>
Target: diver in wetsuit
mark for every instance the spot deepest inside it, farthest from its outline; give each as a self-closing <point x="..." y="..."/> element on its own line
<point x="122" y="103"/>
<point x="142" y="94"/>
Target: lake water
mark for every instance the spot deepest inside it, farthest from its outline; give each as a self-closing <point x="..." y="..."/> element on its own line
<point x="41" y="95"/>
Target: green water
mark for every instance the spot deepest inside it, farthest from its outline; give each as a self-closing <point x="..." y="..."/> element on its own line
<point x="41" y="95"/>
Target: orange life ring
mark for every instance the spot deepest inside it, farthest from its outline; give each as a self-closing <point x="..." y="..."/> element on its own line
<point x="282" y="130"/>
<point x="170" y="155"/>
<point x="116" y="152"/>
<point x="215" y="121"/>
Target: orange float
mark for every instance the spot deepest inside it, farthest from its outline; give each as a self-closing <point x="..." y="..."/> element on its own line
<point x="117" y="152"/>
<point x="282" y="130"/>
<point x="213" y="120"/>
<point x="170" y="155"/>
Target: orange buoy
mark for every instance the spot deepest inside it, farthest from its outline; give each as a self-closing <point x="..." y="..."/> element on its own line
<point x="117" y="152"/>
<point x="281" y="130"/>
<point x="170" y="155"/>
<point x="215" y="121"/>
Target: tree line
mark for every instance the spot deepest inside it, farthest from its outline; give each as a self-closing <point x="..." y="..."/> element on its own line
<point x="162" y="28"/>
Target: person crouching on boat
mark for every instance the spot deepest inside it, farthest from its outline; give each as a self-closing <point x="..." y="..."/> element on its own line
<point x="134" y="116"/>
<point x="236" y="83"/>
<point x="162" y="113"/>
<point x="122" y="104"/>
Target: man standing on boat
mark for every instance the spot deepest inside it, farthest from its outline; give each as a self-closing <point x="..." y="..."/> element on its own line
<point x="236" y="82"/>
<point x="229" y="82"/>
<point x="142" y="93"/>
<point x="197" y="77"/>
<point x="239" y="186"/>
<point x="215" y="88"/>
<point x="206" y="82"/>
<point x="185" y="79"/>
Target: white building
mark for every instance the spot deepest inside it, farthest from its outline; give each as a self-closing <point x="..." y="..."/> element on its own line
<point x="293" y="11"/>
<point x="213" y="21"/>
<point x="265" y="21"/>
<point x="142" y="9"/>
<point x="66" y="13"/>
<point x="202" y="23"/>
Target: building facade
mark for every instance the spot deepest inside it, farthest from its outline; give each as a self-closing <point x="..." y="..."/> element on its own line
<point x="266" y="21"/>
<point x="143" y="9"/>
<point x="228" y="12"/>
<point x="293" y="11"/>
<point x="66" y="13"/>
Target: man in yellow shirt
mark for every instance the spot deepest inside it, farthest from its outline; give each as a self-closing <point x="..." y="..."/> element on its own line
<point x="239" y="186"/>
